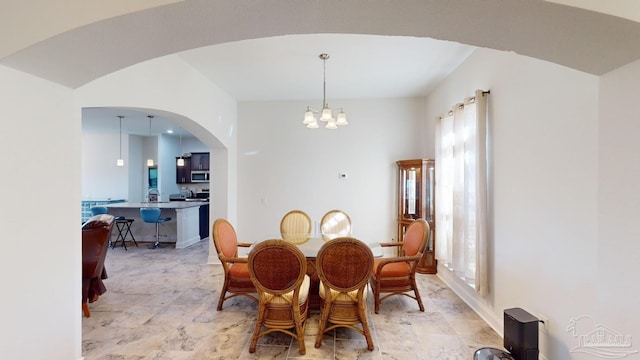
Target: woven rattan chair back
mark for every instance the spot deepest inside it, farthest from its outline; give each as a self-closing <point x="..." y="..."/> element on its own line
<point x="335" y="223"/>
<point x="295" y="226"/>
<point x="237" y="280"/>
<point x="278" y="271"/>
<point x="277" y="267"/>
<point x="344" y="265"/>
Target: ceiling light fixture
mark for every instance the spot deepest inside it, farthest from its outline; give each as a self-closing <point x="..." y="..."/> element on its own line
<point x="326" y="114"/>
<point x="150" y="160"/>
<point x="120" y="161"/>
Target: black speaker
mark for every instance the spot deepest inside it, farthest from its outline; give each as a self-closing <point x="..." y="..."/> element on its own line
<point x="521" y="334"/>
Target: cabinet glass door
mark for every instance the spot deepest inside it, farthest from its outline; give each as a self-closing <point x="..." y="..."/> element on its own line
<point x="411" y="207"/>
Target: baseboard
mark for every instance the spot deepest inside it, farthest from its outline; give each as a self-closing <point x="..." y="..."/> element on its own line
<point x="471" y="298"/>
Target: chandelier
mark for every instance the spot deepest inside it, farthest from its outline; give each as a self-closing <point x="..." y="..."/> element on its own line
<point x="326" y="114"/>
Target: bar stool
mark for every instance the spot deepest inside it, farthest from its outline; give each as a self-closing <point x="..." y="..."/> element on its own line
<point x="152" y="215"/>
<point x="123" y="226"/>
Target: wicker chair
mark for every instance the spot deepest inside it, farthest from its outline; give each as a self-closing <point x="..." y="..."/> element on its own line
<point x="278" y="270"/>
<point x="335" y="223"/>
<point x="344" y="265"/>
<point x="397" y="275"/>
<point x="295" y="226"/>
<point x="237" y="280"/>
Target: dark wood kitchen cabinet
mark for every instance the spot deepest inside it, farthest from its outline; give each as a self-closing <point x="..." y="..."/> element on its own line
<point x="200" y="161"/>
<point x="183" y="173"/>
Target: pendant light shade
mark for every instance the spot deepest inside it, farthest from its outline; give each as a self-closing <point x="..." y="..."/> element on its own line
<point x="120" y="161"/>
<point x="150" y="162"/>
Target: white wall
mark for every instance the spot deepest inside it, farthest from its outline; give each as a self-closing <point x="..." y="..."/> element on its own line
<point x="282" y="165"/>
<point x="543" y="253"/>
<point x="101" y="178"/>
<point x="618" y="203"/>
<point x="40" y="267"/>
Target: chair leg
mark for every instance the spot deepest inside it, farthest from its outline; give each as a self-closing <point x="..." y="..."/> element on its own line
<point x="365" y="327"/>
<point x="157" y="243"/>
<point x="324" y="316"/>
<point x="130" y="233"/>
<point x="223" y="293"/>
<point x="85" y="310"/>
<point x="417" y="293"/>
<point x="300" y="335"/>
<point x="375" y="288"/>
<point x="256" y="332"/>
<point x="157" y="235"/>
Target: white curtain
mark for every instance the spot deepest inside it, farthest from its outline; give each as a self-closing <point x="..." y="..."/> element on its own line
<point x="461" y="190"/>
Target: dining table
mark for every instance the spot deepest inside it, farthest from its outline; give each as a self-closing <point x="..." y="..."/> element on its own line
<point x="309" y="245"/>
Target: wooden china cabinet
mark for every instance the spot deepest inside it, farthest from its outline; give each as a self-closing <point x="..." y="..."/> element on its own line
<point x="416" y="199"/>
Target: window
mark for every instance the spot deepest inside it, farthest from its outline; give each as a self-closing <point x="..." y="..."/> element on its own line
<point x="461" y="191"/>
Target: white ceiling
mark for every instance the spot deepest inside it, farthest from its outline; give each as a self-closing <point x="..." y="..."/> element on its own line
<point x="360" y="66"/>
<point x="289" y="68"/>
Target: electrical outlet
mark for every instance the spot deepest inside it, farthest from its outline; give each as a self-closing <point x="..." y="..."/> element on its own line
<point x="544" y="323"/>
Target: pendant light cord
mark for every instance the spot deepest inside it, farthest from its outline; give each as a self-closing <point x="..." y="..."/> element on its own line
<point x="120" y="116"/>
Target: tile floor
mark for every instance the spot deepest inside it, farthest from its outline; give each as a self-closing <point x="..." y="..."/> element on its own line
<point x="161" y="304"/>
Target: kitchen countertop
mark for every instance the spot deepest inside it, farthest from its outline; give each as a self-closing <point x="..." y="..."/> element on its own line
<point x="159" y="204"/>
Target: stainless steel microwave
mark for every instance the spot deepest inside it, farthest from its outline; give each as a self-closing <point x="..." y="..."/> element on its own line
<point x="199" y="176"/>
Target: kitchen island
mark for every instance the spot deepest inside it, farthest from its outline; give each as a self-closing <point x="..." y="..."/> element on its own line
<point x="183" y="229"/>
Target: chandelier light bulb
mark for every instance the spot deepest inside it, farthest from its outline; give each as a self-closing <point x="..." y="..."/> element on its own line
<point x="313" y="124"/>
<point x="326" y="114"/>
<point x="308" y="117"/>
<point x="342" y="119"/>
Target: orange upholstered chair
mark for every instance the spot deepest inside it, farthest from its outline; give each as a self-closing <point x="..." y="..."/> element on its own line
<point x="397" y="275"/>
<point x="344" y="265"/>
<point x="236" y="272"/>
<point x="278" y="270"/>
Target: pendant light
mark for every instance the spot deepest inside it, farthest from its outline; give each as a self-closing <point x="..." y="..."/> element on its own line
<point x="326" y="114"/>
<point x="180" y="160"/>
<point x="150" y="162"/>
<point x="120" y="161"/>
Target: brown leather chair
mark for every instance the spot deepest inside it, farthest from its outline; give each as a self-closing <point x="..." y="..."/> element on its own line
<point x="278" y="269"/>
<point x="236" y="272"/>
<point x="397" y="275"/>
<point x="344" y="265"/>
<point x="96" y="232"/>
